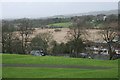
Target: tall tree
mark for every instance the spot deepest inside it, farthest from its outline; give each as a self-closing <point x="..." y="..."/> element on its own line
<point x="7" y="37"/>
<point x="74" y="37"/>
<point x="25" y="29"/>
<point x="109" y="33"/>
<point x="42" y="41"/>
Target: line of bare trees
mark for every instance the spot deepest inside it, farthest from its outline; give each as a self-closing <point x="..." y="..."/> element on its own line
<point x="14" y="43"/>
<point x="17" y="39"/>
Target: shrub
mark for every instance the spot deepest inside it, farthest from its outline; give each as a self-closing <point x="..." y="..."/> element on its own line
<point x="57" y="30"/>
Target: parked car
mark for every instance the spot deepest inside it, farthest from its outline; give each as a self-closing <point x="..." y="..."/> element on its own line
<point x="37" y="53"/>
<point x="117" y="56"/>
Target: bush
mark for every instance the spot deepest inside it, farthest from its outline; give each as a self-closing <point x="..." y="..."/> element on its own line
<point x="57" y="30"/>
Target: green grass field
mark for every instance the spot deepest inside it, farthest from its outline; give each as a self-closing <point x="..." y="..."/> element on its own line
<point x="17" y="72"/>
<point x="97" y="24"/>
<point x="26" y="72"/>
<point x="61" y="24"/>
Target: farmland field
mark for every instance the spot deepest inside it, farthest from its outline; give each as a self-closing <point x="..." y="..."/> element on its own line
<point x="67" y="24"/>
<point x="41" y="72"/>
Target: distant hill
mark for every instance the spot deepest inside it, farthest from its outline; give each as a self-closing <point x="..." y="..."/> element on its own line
<point x="89" y="13"/>
<point x="101" y="12"/>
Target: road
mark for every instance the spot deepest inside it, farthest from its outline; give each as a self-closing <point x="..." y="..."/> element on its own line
<point x="53" y="66"/>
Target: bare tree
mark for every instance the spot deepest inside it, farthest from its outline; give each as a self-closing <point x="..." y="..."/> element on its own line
<point x="42" y="41"/>
<point x="74" y="37"/>
<point x="25" y="29"/>
<point x="7" y="37"/>
<point x="109" y="33"/>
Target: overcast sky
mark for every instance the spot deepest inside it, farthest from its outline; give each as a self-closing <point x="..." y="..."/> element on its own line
<point x="46" y="9"/>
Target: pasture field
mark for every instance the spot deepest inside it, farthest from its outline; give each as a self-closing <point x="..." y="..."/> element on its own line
<point x="66" y="24"/>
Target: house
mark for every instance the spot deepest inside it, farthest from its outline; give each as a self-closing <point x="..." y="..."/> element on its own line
<point x="102" y="46"/>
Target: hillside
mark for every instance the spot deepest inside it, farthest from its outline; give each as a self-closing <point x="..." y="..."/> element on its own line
<point x="60" y="36"/>
<point x="30" y="59"/>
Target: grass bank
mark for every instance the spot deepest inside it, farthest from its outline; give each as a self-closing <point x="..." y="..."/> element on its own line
<point x="30" y="59"/>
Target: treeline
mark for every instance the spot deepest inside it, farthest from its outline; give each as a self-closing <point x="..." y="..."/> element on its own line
<point x="16" y="40"/>
<point x="40" y="22"/>
<point x="43" y="22"/>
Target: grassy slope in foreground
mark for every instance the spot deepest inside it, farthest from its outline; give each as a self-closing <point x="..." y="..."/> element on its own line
<point x="18" y="72"/>
<point x="61" y="24"/>
<point x="29" y="59"/>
